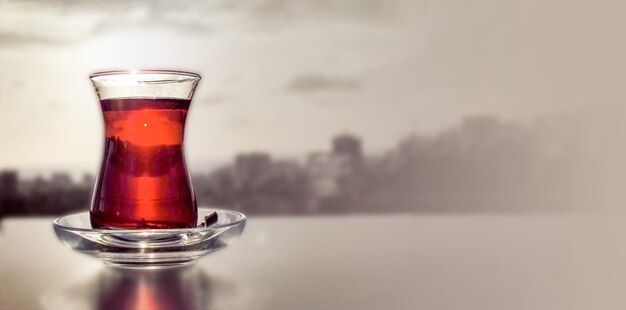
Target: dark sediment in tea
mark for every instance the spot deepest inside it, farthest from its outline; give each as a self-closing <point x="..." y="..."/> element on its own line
<point x="143" y="182"/>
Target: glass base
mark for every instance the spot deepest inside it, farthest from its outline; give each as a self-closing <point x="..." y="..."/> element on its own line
<point x="148" y="266"/>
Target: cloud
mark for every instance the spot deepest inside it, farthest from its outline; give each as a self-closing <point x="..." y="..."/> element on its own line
<point x="340" y="9"/>
<point x="68" y="22"/>
<point x="12" y="40"/>
<point x="50" y="23"/>
<point x="45" y="23"/>
<point x="309" y="83"/>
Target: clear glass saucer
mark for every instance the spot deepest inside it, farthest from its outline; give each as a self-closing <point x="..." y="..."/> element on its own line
<point x="150" y="248"/>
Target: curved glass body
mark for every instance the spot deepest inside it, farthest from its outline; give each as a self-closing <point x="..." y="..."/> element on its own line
<point x="143" y="182"/>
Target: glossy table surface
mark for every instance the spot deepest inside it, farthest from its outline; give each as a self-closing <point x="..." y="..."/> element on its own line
<point x="351" y="262"/>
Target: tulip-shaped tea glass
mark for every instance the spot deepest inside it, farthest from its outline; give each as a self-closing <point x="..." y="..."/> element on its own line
<point x="143" y="181"/>
<point x="143" y="213"/>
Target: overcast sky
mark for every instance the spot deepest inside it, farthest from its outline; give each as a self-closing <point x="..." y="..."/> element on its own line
<point x="285" y="76"/>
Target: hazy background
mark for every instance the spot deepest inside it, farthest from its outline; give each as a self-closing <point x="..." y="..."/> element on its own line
<point x="438" y="106"/>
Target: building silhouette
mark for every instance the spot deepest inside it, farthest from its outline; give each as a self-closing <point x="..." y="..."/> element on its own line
<point x="8" y="183"/>
<point x="9" y="198"/>
<point x="347" y="145"/>
<point x="251" y="168"/>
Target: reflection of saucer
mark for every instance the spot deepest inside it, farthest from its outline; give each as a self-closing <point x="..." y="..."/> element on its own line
<point x="150" y="248"/>
<point x="183" y="288"/>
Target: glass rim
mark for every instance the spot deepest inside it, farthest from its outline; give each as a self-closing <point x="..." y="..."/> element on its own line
<point x="145" y="72"/>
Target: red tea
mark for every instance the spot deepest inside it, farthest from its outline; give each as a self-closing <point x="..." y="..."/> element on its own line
<point x="143" y="181"/>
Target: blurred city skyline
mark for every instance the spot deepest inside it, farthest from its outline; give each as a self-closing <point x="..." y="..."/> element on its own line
<point x="482" y="164"/>
<point x="76" y="173"/>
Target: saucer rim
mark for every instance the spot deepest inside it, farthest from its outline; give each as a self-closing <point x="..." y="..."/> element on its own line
<point x="242" y="218"/>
